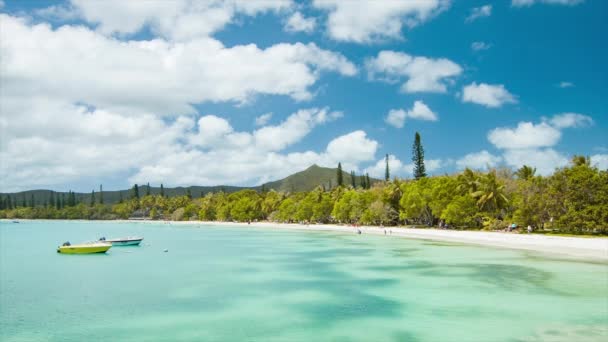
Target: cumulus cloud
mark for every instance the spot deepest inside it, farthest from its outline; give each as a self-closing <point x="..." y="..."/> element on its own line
<point x="567" y="120"/>
<point x="478" y="160"/>
<point x="489" y="95"/>
<point x="178" y="20"/>
<point x="293" y="129"/>
<point x="479" y="46"/>
<point x="545" y="160"/>
<point x="479" y="12"/>
<point x="53" y="143"/>
<point x="420" y="111"/>
<point x="532" y="144"/>
<point x="423" y="74"/>
<point x="58" y="12"/>
<point x="600" y="161"/>
<point x="525" y="135"/>
<point x="400" y="169"/>
<point x="263" y="119"/>
<point x="525" y="3"/>
<point x="298" y="23"/>
<point x="154" y="75"/>
<point x="79" y="104"/>
<point x="367" y="21"/>
<point x="226" y="166"/>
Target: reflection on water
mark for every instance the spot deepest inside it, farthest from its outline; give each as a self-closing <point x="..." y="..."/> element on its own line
<point x="254" y="284"/>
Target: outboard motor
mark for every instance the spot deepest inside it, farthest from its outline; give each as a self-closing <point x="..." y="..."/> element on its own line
<point x="67" y="243"/>
<point x="102" y="238"/>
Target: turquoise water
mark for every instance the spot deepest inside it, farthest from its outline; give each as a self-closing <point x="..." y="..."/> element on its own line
<point x="236" y="284"/>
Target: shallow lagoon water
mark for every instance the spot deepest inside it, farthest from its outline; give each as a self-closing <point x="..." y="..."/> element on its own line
<point x="241" y="283"/>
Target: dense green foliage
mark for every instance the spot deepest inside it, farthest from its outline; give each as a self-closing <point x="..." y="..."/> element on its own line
<point x="572" y="200"/>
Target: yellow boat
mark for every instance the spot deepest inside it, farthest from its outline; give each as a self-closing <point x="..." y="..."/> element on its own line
<point x="89" y="248"/>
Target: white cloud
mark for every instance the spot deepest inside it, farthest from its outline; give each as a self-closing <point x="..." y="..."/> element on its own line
<point x="479" y="160"/>
<point x="532" y="144"/>
<point x="396" y="118"/>
<point x="420" y="111"/>
<point x="226" y="166"/>
<point x="479" y="46"/>
<point x="353" y="148"/>
<point x="600" y="161"/>
<point x="567" y="120"/>
<point x="298" y="23"/>
<point x="423" y="74"/>
<point x="479" y="12"/>
<point x="155" y="75"/>
<point x="489" y="95"/>
<point x="367" y="21"/>
<point x="297" y="126"/>
<point x="59" y="12"/>
<point x="522" y="3"/>
<point x="178" y="20"/>
<point x="77" y="104"/>
<point x="526" y="135"/>
<point x="545" y="160"/>
<point x="52" y="144"/>
<point x="263" y="119"/>
<point x="399" y="169"/>
<point x="564" y="84"/>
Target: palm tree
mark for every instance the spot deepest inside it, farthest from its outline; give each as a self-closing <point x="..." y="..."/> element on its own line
<point x="468" y="181"/>
<point x="490" y="195"/>
<point x="526" y="172"/>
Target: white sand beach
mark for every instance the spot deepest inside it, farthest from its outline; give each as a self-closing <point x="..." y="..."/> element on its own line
<point x="586" y="248"/>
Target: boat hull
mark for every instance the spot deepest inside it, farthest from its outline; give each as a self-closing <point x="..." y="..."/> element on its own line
<point x="125" y="242"/>
<point x="84" y="249"/>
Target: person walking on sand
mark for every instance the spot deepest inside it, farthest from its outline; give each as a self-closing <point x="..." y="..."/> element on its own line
<point x="529" y="229"/>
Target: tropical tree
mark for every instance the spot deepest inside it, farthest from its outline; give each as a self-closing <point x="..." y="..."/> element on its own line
<point x="525" y="172"/>
<point x="490" y="195"/>
<point x="387" y="172"/>
<point x="418" y="158"/>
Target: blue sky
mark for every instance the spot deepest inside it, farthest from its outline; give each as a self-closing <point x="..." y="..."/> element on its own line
<point x="85" y="103"/>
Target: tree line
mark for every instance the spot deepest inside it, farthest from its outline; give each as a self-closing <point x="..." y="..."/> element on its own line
<point x="574" y="199"/>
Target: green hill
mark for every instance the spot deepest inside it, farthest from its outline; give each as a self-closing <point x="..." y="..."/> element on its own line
<point x="311" y="178"/>
<point x="301" y="181"/>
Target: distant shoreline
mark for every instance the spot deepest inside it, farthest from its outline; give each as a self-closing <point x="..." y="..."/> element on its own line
<point x="572" y="247"/>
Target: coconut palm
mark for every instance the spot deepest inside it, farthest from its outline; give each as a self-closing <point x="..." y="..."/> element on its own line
<point x="526" y="172"/>
<point x="468" y="181"/>
<point x="490" y="195"/>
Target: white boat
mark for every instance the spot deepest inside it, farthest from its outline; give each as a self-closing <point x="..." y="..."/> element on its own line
<point x="126" y="241"/>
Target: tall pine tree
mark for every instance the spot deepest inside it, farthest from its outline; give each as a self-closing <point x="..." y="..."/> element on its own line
<point x="339" y="175"/>
<point x="135" y="191"/>
<point x="148" y="189"/>
<point x="100" y="193"/>
<point x="162" y="190"/>
<point x="387" y="172"/>
<point x="352" y="179"/>
<point x="367" y="182"/>
<point x="92" y="198"/>
<point x="418" y="158"/>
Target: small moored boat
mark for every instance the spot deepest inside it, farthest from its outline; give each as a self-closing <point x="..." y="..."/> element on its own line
<point x="127" y="241"/>
<point x="84" y="248"/>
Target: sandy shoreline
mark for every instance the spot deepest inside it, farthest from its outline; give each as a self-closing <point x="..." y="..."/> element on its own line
<point x="593" y="249"/>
